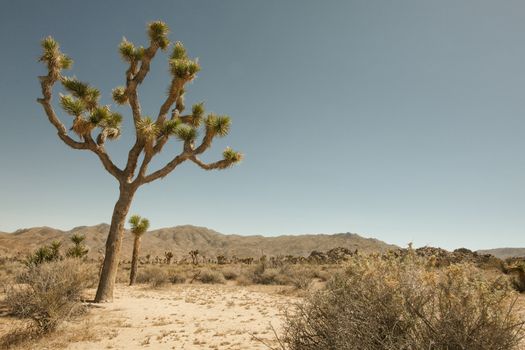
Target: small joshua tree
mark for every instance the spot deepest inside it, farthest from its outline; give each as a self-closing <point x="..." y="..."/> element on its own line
<point x="169" y="256"/>
<point x="194" y="256"/>
<point x="81" y="102"/>
<point x="138" y="227"/>
<point x="79" y="249"/>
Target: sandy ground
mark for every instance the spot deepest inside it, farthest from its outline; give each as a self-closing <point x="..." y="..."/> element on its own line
<point x="187" y="317"/>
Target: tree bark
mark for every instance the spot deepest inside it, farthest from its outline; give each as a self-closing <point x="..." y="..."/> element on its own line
<point x="113" y="244"/>
<point x="134" y="260"/>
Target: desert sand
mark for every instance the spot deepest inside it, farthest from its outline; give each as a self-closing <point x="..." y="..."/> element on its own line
<point x="187" y="317"/>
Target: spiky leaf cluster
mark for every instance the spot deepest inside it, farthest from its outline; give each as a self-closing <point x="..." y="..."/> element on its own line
<point x="184" y="68"/>
<point x="110" y="123"/>
<point x="82" y="127"/>
<point x="231" y="155"/>
<point x="88" y="94"/>
<point x="50" y="46"/>
<point x="105" y="118"/>
<point x="147" y="129"/>
<point x="185" y="132"/>
<point x="197" y="113"/>
<point x="47" y="253"/>
<point x="179" y="52"/>
<point x="138" y="225"/>
<point x="218" y="124"/>
<point x="52" y="55"/>
<point x="158" y="33"/>
<point x="79" y="250"/>
<point x="66" y="62"/>
<point x="119" y="95"/>
<point x="129" y="52"/>
<point x="72" y="106"/>
<point x="170" y="126"/>
<point x="111" y="133"/>
<point x="77" y="238"/>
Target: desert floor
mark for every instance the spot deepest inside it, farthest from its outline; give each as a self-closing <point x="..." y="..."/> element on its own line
<point x="187" y="316"/>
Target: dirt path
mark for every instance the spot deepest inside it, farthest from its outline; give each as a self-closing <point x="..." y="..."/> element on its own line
<point x="188" y="317"/>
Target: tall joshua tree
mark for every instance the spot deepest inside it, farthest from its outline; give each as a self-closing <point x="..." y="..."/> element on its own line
<point x="139" y="226"/>
<point x="81" y="102"/>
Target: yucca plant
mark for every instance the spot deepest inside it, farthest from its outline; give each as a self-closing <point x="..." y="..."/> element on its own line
<point x="45" y="254"/>
<point x="139" y="226"/>
<point x="79" y="249"/>
<point x="81" y="102"/>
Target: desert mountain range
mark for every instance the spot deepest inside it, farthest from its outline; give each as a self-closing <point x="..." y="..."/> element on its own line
<point x="504" y="253"/>
<point x="181" y="239"/>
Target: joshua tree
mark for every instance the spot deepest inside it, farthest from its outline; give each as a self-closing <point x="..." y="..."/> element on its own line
<point x="222" y="260"/>
<point x="78" y="250"/>
<point x="169" y="256"/>
<point x="194" y="256"/>
<point x="82" y="103"/>
<point x="138" y="227"/>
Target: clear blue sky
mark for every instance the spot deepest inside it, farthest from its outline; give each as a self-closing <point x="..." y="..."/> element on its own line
<point x="400" y="120"/>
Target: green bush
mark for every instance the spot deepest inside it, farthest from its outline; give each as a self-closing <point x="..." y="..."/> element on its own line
<point x="405" y="303"/>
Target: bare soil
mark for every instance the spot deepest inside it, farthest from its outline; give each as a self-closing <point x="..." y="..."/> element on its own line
<point x="186" y="316"/>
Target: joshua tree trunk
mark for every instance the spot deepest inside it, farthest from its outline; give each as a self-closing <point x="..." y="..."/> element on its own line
<point x="113" y="244"/>
<point x="134" y="260"/>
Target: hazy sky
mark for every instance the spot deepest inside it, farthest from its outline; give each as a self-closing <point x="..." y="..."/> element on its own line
<point x="400" y="120"/>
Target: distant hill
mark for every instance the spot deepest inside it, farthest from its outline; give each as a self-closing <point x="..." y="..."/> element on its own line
<point x="181" y="239"/>
<point x="504" y="253"/>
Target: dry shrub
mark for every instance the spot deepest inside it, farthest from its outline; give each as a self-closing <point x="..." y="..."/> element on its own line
<point x="210" y="276"/>
<point x="177" y="277"/>
<point x="177" y="274"/>
<point x="517" y="277"/>
<point x="8" y="273"/>
<point x="230" y="273"/>
<point x="405" y="303"/>
<point x="20" y="336"/>
<point x="301" y="279"/>
<point x="49" y="293"/>
<point x="261" y="274"/>
<point x="155" y="276"/>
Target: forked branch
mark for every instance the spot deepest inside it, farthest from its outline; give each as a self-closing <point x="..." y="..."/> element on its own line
<point x="56" y="61"/>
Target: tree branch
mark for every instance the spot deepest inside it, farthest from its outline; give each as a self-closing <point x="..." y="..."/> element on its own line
<point x="47" y="83"/>
<point x="100" y="151"/>
<point x="221" y="164"/>
<point x="206" y="141"/>
<point x="173" y="94"/>
<point x="168" y="168"/>
<point x="131" y="92"/>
